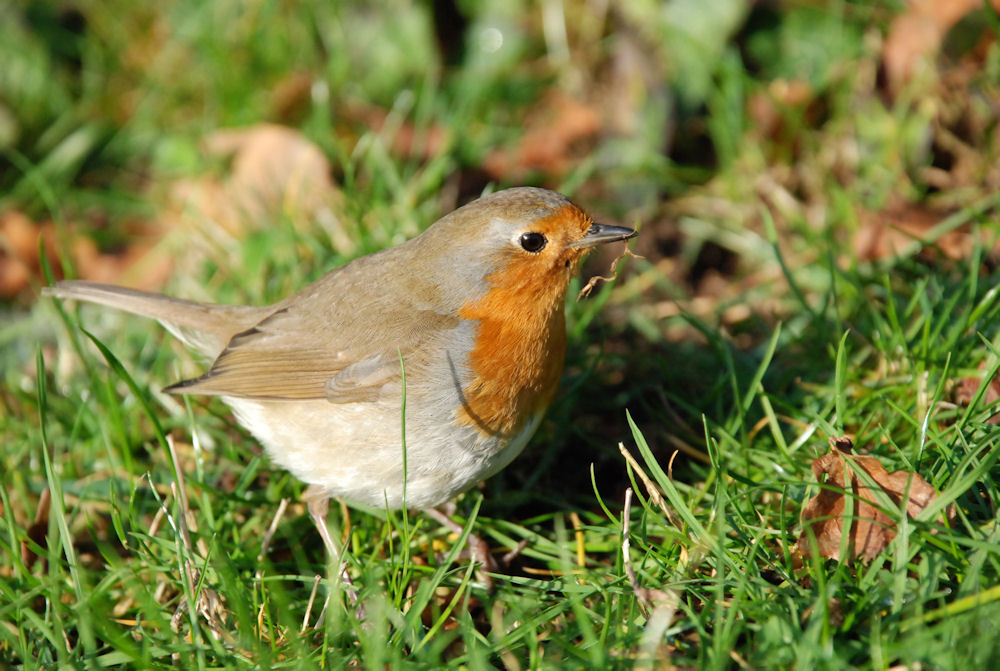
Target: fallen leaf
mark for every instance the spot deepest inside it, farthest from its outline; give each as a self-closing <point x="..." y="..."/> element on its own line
<point x="968" y="386"/>
<point x="140" y="264"/>
<point x="871" y="528"/>
<point x="291" y="97"/>
<point x="768" y="107"/>
<point x="834" y="613"/>
<point x="38" y="530"/>
<point x="552" y="130"/>
<point x="274" y="173"/>
<point x="275" y="170"/>
<point x="19" y="237"/>
<point x="897" y="228"/>
<point x="915" y="36"/>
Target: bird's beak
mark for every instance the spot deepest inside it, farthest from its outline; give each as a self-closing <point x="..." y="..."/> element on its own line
<point x="600" y="233"/>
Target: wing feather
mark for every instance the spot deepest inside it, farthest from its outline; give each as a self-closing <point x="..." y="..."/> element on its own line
<point x="279" y="357"/>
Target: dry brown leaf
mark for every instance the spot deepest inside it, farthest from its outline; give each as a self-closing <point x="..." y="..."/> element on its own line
<point x="894" y="230"/>
<point x="404" y="137"/>
<point x="38" y="530"/>
<point x="15" y="263"/>
<point x="768" y="107"/>
<point x="19" y="262"/>
<point x="871" y="529"/>
<point x="552" y="130"/>
<point x="967" y="388"/>
<point x="140" y="264"/>
<point x="275" y="170"/>
<point x="915" y="36"/>
<point x="275" y="173"/>
<point x="291" y="97"/>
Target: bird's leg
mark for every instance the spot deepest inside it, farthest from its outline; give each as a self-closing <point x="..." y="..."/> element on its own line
<point x="478" y="548"/>
<point x="318" y="504"/>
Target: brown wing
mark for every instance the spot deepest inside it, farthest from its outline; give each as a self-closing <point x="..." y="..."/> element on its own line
<point x="298" y="354"/>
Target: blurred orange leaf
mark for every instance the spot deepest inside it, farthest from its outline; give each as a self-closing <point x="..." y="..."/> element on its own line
<point x="20" y="262"/>
<point x="552" y="131"/>
<point x="915" y="36"/>
<point x="274" y="172"/>
<point x="896" y="229"/>
<point x="967" y="387"/>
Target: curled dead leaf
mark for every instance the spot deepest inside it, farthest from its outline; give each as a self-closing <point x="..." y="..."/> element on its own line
<point x="871" y="528"/>
<point x="38" y="530"/>
<point x="18" y="252"/>
<point x="769" y="106"/>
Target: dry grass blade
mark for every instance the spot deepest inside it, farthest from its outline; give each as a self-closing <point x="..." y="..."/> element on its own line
<point x="309" y="605"/>
<point x="659" y="605"/>
<point x="209" y="604"/>
<point x="581" y="547"/>
<point x="592" y="282"/>
<point x="269" y="534"/>
<point x="655" y="495"/>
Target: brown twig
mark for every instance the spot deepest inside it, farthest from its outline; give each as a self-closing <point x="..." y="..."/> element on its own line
<point x="592" y="282"/>
<point x="309" y="605"/>
<point x="269" y="534"/>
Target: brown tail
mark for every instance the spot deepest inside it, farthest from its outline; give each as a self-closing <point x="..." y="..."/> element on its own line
<point x="213" y="325"/>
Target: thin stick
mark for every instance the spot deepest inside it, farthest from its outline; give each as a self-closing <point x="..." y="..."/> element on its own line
<point x="633" y="580"/>
<point x="312" y="599"/>
<point x="592" y="282"/>
<point x="515" y="553"/>
<point x="266" y="541"/>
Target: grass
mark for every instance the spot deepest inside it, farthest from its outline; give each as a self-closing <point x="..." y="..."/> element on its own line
<point x="756" y="327"/>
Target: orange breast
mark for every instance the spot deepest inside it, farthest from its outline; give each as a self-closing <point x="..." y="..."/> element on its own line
<point x="516" y="363"/>
<point x="520" y="346"/>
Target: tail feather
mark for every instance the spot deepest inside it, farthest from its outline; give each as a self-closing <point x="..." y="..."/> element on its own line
<point x="207" y="328"/>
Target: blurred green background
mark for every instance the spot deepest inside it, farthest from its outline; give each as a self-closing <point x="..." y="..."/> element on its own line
<point x="816" y="188"/>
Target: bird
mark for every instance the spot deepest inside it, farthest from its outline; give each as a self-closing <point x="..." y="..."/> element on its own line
<point x="452" y="343"/>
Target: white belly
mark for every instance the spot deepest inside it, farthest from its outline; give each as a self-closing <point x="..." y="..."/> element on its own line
<point x="354" y="451"/>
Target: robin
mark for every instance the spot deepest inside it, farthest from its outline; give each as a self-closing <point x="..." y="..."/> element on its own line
<point x="465" y="323"/>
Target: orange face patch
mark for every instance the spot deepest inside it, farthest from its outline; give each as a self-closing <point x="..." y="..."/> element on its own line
<point x="521" y="341"/>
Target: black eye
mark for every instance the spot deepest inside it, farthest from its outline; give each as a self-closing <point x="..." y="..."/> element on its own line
<point x="533" y="242"/>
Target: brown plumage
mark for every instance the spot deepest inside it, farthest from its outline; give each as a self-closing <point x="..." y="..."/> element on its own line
<point x="473" y="308"/>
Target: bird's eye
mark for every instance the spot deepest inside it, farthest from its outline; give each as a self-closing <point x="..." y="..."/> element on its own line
<point x="533" y="242"/>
